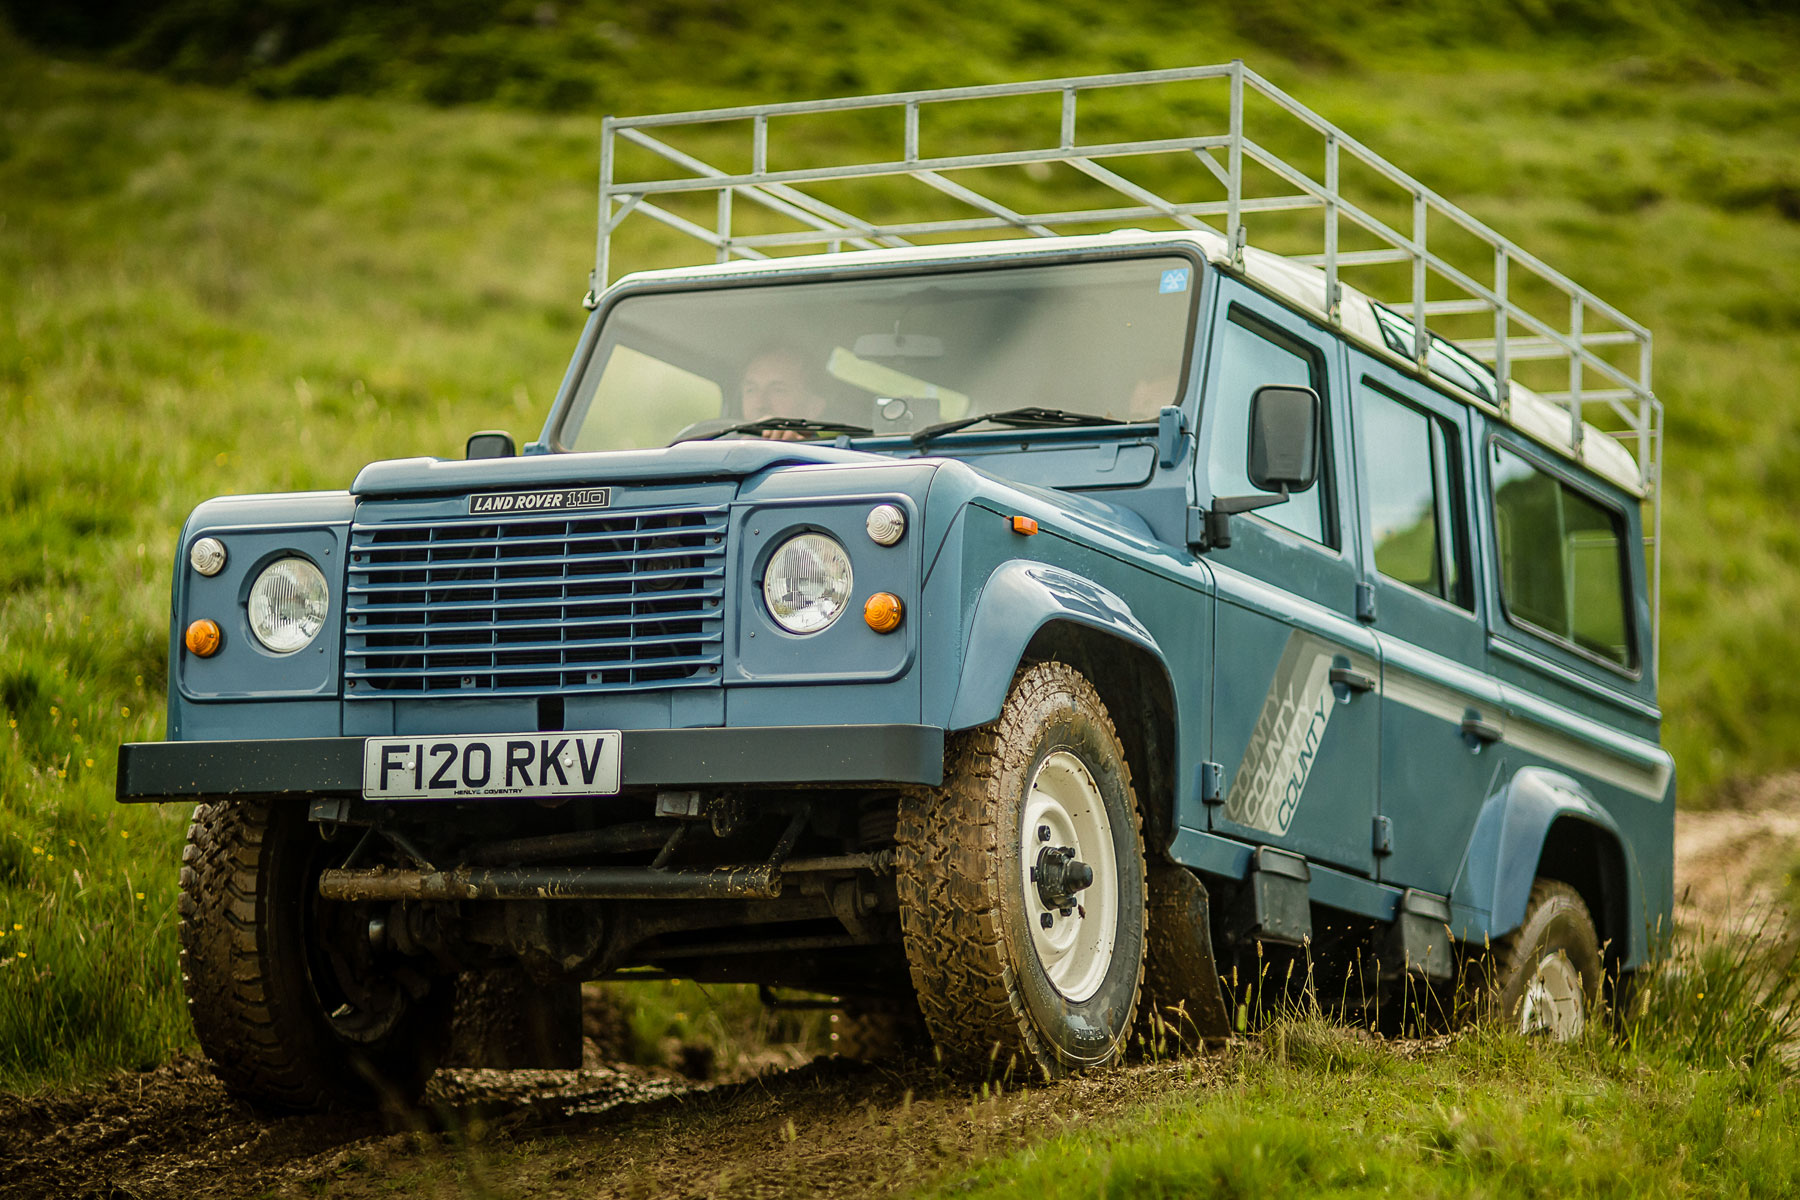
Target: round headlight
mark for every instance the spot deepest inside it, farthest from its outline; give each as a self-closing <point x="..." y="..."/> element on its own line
<point x="807" y="583"/>
<point x="288" y="603"/>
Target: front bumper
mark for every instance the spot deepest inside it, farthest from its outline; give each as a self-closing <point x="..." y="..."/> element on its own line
<point x="737" y="757"/>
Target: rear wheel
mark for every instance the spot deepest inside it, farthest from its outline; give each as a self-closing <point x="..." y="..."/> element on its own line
<point x="1022" y="890"/>
<point x="1547" y="972"/>
<point x="292" y="997"/>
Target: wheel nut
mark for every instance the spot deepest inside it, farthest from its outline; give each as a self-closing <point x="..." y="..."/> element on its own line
<point x="1046" y="920"/>
<point x="1043" y="833"/>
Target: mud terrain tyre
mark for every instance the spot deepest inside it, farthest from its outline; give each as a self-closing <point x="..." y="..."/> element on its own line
<point x="288" y="995"/>
<point x="1016" y="967"/>
<point x="1547" y="973"/>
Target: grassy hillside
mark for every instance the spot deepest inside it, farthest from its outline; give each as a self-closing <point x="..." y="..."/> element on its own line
<point x="206" y="290"/>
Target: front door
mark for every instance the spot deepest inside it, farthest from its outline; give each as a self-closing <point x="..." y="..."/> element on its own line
<point x="1440" y="711"/>
<point x="1295" y="722"/>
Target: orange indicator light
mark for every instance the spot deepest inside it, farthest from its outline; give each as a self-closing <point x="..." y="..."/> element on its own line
<point x="1024" y="525"/>
<point x="203" y="638"/>
<point x="882" y="612"/>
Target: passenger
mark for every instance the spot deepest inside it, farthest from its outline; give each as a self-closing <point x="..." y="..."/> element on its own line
<point x="780" y="382"/>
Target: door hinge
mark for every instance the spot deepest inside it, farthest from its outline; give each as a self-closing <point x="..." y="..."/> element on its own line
<point x="1212" y="783"/>
<point x="1384" y="837"/>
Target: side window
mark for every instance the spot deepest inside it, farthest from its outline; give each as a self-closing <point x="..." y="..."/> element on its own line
<point x="1413" y="492"/>
<point x="1562" y="560"/>
<point x="1246" y="361"/>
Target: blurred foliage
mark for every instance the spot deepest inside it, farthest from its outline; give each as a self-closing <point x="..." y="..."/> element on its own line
<point x="558" y="55"/>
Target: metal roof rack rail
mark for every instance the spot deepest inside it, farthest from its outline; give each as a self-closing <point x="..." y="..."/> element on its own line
<point x="1513" y="289"/>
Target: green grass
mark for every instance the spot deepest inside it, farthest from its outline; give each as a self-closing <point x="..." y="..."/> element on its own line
<point x="1692" y="1091"/>
<point x="1310" y="1108"/>
<point x="210" y="291"/>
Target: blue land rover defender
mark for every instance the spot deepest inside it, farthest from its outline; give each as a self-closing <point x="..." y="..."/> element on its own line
<point x="1027" y="642"/>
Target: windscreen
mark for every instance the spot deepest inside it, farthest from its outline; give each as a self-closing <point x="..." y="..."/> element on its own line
<point x="888" y="355"/>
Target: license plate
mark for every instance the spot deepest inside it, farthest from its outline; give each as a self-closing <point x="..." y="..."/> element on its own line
<point x="458" y="768"/>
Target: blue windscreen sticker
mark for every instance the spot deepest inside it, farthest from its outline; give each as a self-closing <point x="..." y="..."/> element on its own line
<point x="1175" y="279"/>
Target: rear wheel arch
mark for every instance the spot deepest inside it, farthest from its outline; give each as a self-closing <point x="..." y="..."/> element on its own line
<point x="1544" y="824"/>
<point x="1591" y="859"/>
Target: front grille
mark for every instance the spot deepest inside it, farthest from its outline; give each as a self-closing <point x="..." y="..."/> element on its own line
<point x="535" y="604"/>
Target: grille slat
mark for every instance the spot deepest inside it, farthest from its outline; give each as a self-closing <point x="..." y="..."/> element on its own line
<point x="563" y="576"/>
<point x="549" y="560"/>
<point x="536" y="605"/>
<point x="680" y="639"/>
<point x="716" y="529"/>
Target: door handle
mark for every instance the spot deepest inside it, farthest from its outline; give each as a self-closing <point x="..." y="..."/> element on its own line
<point x="1479" y="732"/>
<point x="1352" y="679"/>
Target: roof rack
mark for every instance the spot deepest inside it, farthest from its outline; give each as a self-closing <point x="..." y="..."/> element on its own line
<point x="1498" y="297"/>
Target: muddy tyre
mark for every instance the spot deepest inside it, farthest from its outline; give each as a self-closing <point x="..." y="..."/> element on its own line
<point x="290" y="998"/>
<point x="1547" y="973"/>
<point x="1017" y="966"/>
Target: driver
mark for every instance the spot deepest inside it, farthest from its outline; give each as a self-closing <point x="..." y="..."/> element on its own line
<point x="781" y="382"/>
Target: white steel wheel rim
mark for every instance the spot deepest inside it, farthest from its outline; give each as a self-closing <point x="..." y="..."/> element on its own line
<point x="1554" y="1002"/>
<point x="1075" y="951"/>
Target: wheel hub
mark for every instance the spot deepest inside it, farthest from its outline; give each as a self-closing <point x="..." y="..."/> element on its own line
<point x="1553" y="1004"/>
<point x="1070" y="885"/>
<point x="1059" y="875"/>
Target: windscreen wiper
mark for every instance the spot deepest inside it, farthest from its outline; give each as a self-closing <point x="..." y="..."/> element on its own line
<point x="1029" y="417"/>
<point x="779" y="425"/>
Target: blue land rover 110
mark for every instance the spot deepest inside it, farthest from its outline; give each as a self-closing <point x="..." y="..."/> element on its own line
<point x="1026" y="643"/>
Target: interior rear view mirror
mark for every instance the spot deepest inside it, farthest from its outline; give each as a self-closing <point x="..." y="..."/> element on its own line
<point x="898" y="345"/>
<point x="1284" y="439"/>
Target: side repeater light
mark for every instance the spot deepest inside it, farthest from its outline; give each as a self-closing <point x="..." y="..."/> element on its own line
<point x="1024" y="525"/>
<point x="207" y="556"/>
<point x="882" y="611"/>
<point x="886" y="524"/>
<point x="203" y="638"/>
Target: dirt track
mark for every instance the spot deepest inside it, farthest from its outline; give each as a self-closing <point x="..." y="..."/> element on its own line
<point x="827" y="1128"/>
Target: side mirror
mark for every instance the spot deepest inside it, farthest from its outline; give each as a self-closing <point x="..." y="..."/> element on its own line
<point x="1284" y="439"/>
<point x="1283" y="458"/>
<point x="491" y="443"/>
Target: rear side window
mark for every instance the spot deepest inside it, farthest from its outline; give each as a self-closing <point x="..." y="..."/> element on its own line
<point x="1413" y="489"/>
<point x="1562" y="560"/>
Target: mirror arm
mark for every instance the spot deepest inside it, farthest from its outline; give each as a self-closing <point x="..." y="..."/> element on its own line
<point x="1226" y="505"/>
<point x="1216" y="530"/>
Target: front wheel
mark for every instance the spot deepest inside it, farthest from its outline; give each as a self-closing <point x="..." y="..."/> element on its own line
<point x="1022" y="892"/>
<point x="293" y="997"/>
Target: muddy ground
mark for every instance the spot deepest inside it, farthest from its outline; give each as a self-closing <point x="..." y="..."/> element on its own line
<point x="828" y="1127"/>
